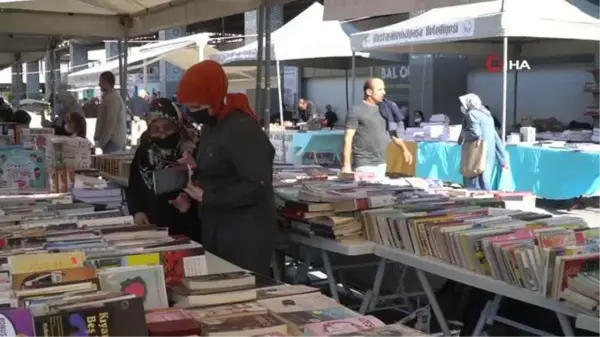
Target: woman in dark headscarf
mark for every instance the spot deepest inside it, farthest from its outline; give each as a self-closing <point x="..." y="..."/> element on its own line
<point x="70" y="120"/>
<point x="234" y="173"/>
<point x="169" y="138"/>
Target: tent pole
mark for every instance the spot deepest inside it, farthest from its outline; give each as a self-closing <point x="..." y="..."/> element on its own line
<point x="504" y="85"/>
<point x="518" y="49"/>
<point x="121" y="66"/>
<point x="347" y="98"/>
<point x="280" y="98"/>
<point x="260" y="15"/>
<point x="353" y="91"/>
<point x="267" y="101"/>
<point x="145" y="75"/>
<point x="124" y="86"/>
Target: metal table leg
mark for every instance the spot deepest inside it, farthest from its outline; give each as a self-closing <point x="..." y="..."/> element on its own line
<point x="437" y="311"/>
<point x="400" y="287"/>
<point x="377" y="283"/>
<point x="330" y="276"/>
<point x="370" y="299"/>
<point x="488" y="315"/>
<point x="565" y="324"/>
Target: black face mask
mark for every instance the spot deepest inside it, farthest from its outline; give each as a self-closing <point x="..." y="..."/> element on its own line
<point x="168" y="142"/>
<point x="203" y="117"/>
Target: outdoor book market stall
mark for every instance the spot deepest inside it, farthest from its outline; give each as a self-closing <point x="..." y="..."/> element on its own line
<point x="536" y="168"/>
<point x="436" y="239"/>
<point x="551" y="28"/>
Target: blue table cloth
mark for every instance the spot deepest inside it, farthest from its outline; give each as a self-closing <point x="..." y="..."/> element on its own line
<point x="547" y="173"/>
<point x="315" y="143"/>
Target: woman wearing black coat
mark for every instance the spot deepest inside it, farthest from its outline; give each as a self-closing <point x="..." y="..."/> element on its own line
<point x="168" y="139"/>
<point x="234" y="187"/>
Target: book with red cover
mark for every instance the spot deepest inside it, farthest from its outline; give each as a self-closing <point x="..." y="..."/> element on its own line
<point x="172" y="322"/>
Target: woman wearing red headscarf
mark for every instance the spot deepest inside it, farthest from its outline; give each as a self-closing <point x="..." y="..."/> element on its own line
<point x="234" y="171"/>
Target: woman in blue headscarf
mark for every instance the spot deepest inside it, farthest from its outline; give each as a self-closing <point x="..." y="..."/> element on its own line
<point x="478" y="124"/>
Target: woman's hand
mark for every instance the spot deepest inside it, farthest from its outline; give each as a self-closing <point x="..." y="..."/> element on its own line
<point x="140" y="218"/>
<point x="194" y="192"/>
<point x="187" y="159"/>
<point x="182" y="202"/>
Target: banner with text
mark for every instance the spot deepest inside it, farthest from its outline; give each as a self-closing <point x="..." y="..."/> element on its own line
<point x="399" y="36"/>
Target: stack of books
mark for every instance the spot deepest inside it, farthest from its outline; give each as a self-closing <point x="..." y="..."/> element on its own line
<point x="528" y="250"/>
<point x="582" y="289"/>
<point x="232" y="304"/>
<point x="88" y="276"/>
<point x="114" y="164"/>
<point x="332" y="209"/>
<point x="67" y="270"/>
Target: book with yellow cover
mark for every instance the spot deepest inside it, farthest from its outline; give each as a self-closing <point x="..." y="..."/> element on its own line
<point x="32" y="263"/>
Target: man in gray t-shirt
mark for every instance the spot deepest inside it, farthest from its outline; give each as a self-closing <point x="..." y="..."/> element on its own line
<point x="366" y="137"/>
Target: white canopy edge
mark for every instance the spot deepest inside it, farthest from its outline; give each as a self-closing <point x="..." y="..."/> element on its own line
<point x="441" y="30"/>
<point x="305" y="37"/>
<point x="90" y="76"/>
<point x="15" y="20"/>
<point x="182" y="52"/>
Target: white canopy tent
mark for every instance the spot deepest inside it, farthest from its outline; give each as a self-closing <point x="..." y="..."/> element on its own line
<point x="182" y="52"/>
<point x="150" y="52"/>
<point x="22" y="48"/>
<point x="109" y="18"/>
<point x="534" y="28"/>
<point x="307" y="40"/>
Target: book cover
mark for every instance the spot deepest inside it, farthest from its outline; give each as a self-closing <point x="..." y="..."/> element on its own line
<point x="51" y="278"/>
<point x="171" y="179"/>
<point x="283" y="290"/>
<point x="23" y="168"/>
<point x="236" y="275"/>
<point x="388" y="330"/>
<point x="172" y="322"/>
<point x="177" y="262"/>
<point x="242" y="326"/>
<point x="16" y="322"/>
<point x="228" y="310"/>
<point x="301" y="318"/>
<point x="315" y="301"/>
<point x="145" y="282"/>
<point x="341" y="326"/>
<point x="30" y="263"/>
<point x="121" y="318"/>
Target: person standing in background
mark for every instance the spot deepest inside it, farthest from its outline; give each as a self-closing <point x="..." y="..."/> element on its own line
<point x="111" y="125"/>
<point x="90" y="109"/>
<point x="366" y="137"/>
<point x="478" y="125"/>
<point x="305" y="110"/>
<point x="419" y="118"/>
<point x="330" y="116"/>
<point x="138" y="104"/>
<point x="66" y="104"/>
